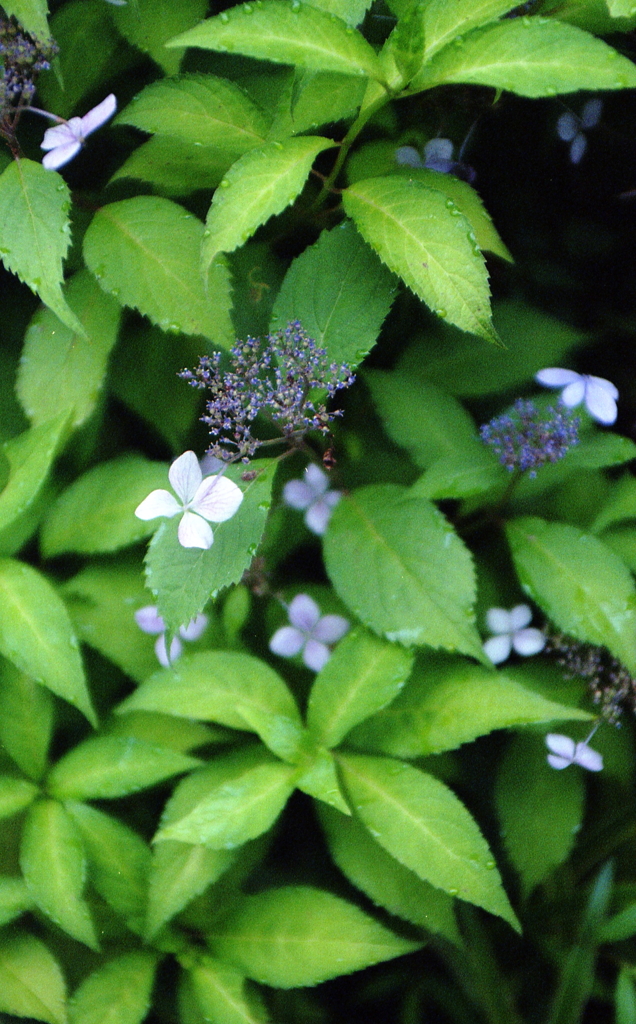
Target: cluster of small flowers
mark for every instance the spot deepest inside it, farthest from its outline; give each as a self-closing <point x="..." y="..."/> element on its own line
<point x="274" y="376"/>
<point x="610" y="684"/>
<point x="526" y="439"/>
<point x="21" y="58"/>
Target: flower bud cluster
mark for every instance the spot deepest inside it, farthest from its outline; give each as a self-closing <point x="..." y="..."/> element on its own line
<point x="274" y="376"/>
<point x="21" y="58"/>
<point x="526" y="438"/>
<point x="611" y="686"/>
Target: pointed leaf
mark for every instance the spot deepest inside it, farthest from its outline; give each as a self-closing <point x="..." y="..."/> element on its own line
<point x="26" y="720"/>
<point x="384" y="880"/>
<point x="60" y="369"/>
<point x="296" y="935"/>
<point x="15" y="899"/>
<point x="178" y="873"/>
<point x="32" y="14"/>
<point x="30" y="456"/>
<point x="31" y="982"/>
<point x="315" y="98"/>
<point x="199" y="108"/>
<point x="174" y="167"/>
<point x="184" y="579"/>
<point x="96" y="514"/>
<point x="340" y="292"/>
<point x="432" y="713"/>
<point x="148" y="24"/>
<point x="118" y="859"/>
<point x="581" y="585"/>
<point x="418" y="585"/>
<point x="116" y="993"/>
<point x="423" y="237"/>
<point x="443" y="22"/>
<point x="320" y="780"/>
<point x="210" y="686"/>
<point x="363" y="675"/>
<point x="261" y="183"/>
<point x="238" y="798"/>
<point x="423" y="825"/>
<point x="530" y="57"/>
<point x="223" y="994"/>
<point x="53" y="863"/>
<point x="278" y="32"/>
<point x="35" y="232"/>
<point x="104" y="767"/>
<point x="145" y="252"/>
<point x="37" y="636"/>
<point x="15" y="795"/>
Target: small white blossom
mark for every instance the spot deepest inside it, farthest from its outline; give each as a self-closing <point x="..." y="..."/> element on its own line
<point x="564" y="752"/>
<point x="437" y="155"/>
<point x="149" y="619"/>
<point x="570" y="127"/>
<point x="214" y="498"/>
<point x="65" y="140"/>
<point x="598" y="394"/>
<point x="511" y="633"/>
<point x="312" y="496"/>
<point x="309" y="632"/>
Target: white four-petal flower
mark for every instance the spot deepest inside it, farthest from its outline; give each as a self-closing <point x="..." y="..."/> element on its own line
<point x="598" y="394"/>
<point x="312" y="496"/>
<point x="149" y="619"/>
<point x="65" y="140"/>
<point x="212" y="499"/>
<point x="570" y="127"/>
<point x="309" y="632"/>
<point x="511" y="633"/>
<point x="564" y="752"/>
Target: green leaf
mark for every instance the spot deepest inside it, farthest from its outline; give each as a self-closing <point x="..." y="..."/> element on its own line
<point x="384" y="880"/>
<point x="421" y="417"/>
<point x="35" y="232"/>
<point x="148" y="24"/>
<point x="621" y="504"/>
<point x="461" y="475"/>
<point x="320" y="780"/>
<point x="539" y="820"/>
<point x="237" y="797"/>
<point x="351" y="11"/>
<point x="174" y="167"/>
<point x="363" y="675"/>
<point x="418" y="583"/>
<point x="423" y="237"/>
<point x="580" y="584"/>
<point x="118" y="859"/>
<point x="424" y="826"/>
<point x="443" y="22"/>
<point x="104" y="767"/>
<point x="619" y="926"/>
<point x="199" y="108"/>
<point x="15" y="899"/>
<point x="260" y="184"/>
<point x="32" y="14"/>
<point x="31" y="982"/>
<point x="26" y="720"/>
<point x="37" y="636"/>
<point x="30" y="456"/>
<point x="96" y="514"/>
<point x="101" y="601"/>
<point x="223" y="994"/>
<point x="340" y="292"/>
<point x="296" y="935"/>
<point x="530" y="57"/>
<point x="118" y="992"/>
<point x="178" y="873"/>
<point x="625" y="997"/>
<point x="278" y="32"/>
<point x="184" y="579"/>
<point x="53" y="863"/>
<point x="621" y="8"/>
<point x="466" y="200"/>
<point x="165" y="731"/>
<point x="62" y="370"/>
<point x="314" y="98"/>
<point x="210" y="686"/>
<point x="15" y="795"/>
<point x="281" y="734"/>
<point x="622" y="541"/>
<point x="433" y="713"/>
<point x="145" y="252"/>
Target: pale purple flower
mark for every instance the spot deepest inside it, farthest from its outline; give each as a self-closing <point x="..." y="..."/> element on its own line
<point x="570" y="127"/>
<point x="598" y="394"/>
<point x="312" y="496"/>
<point x="308" y="632"/>
<point x="212" y="499"/>
<point x="65" y="140"/>
<point x="149" y="619"/>
<point x="512" y="633"/>
<point x="564" y="752"/>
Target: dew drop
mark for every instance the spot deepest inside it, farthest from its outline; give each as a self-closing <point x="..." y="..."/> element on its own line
<point x="277" y="145"/>
<point x="252" y="550"/>
<point x="224" y="184"/>
<point x="295" y="6"/>
<point x="441" y="313"/>
<point x="174" y="328"/>
<point x="60" y="188"/>
<point x="248" y="9"/>
<point x="453" y="892"/>
<point x="490" y="864"/>
<point x="207" y="233"/>
<point x="450" y="204"/>
<point x="264" y="506"/>
<point x="224" y="17"/>
<point x="197" y="143"/>
<point x="115" y="292"/>
<point x="4" y="252"/>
